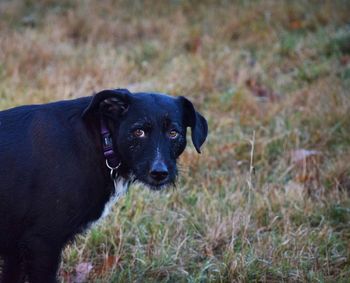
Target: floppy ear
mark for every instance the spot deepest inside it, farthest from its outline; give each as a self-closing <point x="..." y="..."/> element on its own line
<point x="198" y="124"/>
<point x="110" y="102"/>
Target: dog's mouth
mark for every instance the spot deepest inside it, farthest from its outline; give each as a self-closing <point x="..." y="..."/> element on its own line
<point x="157" y="186"/>
<point x="154" y="182"/>
<point x="154" y="185"/>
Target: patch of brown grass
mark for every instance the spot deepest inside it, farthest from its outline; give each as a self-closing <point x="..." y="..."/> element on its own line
<point x="276" y="69"/>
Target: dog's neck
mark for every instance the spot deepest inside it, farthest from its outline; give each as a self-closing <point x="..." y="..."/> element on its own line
<point x="113" y="163"/>
<point x="112" y="160"/>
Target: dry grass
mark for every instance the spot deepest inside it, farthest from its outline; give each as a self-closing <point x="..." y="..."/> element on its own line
<point x="279" y="69"/>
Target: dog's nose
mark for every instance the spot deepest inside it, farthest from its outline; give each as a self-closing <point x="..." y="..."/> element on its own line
<point x="159" y="172"/>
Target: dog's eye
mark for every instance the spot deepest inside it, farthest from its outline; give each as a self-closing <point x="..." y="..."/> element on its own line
<point x="173" y="134"/>
<point x="139" y="133"/>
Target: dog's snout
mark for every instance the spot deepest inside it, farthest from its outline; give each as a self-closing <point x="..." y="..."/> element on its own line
<point x="159" y="171"/>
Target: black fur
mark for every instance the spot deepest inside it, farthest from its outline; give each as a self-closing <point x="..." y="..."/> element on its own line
<point x="53" y="177"/>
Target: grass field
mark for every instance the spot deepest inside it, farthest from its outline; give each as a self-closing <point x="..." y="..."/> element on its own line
<point x="268" y="200"/>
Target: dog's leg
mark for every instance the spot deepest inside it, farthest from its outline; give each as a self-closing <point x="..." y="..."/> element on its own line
<point x="12" y="269"/>
<point x="42" y="261"/>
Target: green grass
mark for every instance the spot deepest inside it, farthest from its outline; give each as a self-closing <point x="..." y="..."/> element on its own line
<point x="279" y="69"/>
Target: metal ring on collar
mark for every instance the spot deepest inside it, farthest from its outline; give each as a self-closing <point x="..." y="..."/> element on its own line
<point x="110" y="167"/>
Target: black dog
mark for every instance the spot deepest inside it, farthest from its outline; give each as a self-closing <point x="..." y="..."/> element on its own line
<point x="61" y="163"/>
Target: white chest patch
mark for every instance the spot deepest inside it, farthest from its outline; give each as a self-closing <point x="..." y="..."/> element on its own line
<point x="121" y="187"/>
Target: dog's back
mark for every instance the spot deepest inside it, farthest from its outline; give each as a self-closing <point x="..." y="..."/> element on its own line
<point x="39" y="152"/>
<point x="15" y="166"/>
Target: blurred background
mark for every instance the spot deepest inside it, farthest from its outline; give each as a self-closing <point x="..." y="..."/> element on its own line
<point x="268" y="199"/>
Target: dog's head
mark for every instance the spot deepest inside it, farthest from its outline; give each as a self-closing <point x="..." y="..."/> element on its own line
<point x="149" y="132"/>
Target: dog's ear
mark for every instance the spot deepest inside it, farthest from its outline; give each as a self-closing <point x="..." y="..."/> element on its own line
<point x="110" y="102"/>
<point x="198" y="124"/>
